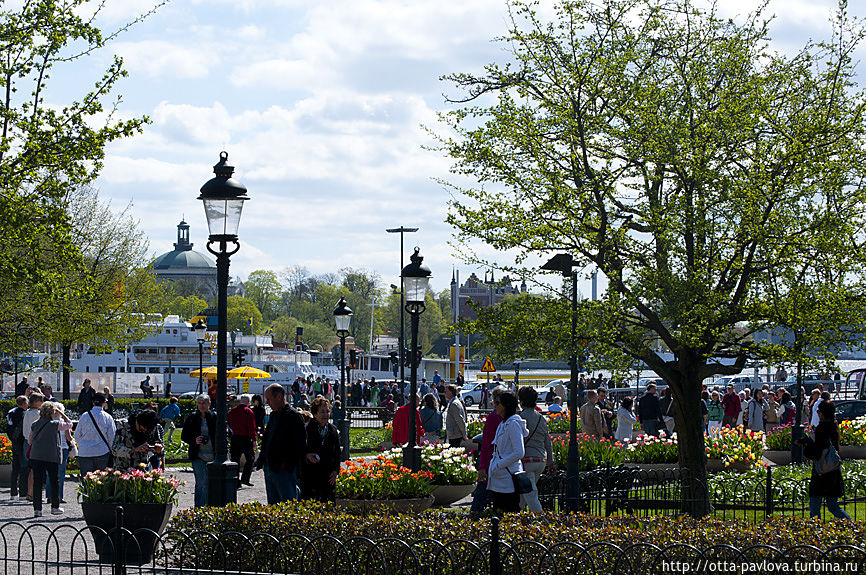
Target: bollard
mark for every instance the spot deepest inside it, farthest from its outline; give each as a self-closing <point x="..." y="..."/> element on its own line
<point x="495" y="560"/>
<point x="119" y="565"/>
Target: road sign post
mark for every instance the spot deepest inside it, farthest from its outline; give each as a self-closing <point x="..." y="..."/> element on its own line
<point x="487" y="368"/>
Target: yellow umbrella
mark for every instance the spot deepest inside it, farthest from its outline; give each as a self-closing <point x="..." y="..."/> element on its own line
<point x="209" y="372"/>
<point x="247" y="372"/>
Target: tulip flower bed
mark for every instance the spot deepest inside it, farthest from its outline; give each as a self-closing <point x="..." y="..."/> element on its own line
<point x="594" y="453"/>
<point x="650" y="449"/>
<point x="559" y="422"/>
<point x="131" y="486"/>
<point x="779" y="438"/>
<point x="853" y="432"/>
<point x="735" y="445"/>
<point x="381" y="478"/>
<point x="5" y="450"/>
<point x="446" y="465"/>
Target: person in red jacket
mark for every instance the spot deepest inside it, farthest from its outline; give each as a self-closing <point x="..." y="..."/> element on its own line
<point x="242" y="422"/>
<point x="400" y="431"/>
<point x="479" y="496"/>
<point x="732" y="406"/>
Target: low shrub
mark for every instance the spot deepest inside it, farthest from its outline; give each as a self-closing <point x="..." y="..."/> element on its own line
<point x="315" y="519"/>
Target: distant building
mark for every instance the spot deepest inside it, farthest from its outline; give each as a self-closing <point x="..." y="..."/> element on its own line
<point x="185" y="264"/>
<point x="482" y="293"/>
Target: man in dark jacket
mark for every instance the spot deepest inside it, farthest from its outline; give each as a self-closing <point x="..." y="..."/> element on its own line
<point x="21" y="387"/>
<point x="85" y="397"/>
<point x="283" y="447"/>
<point x="649" y="411"/>
<point x="15" y="430"/>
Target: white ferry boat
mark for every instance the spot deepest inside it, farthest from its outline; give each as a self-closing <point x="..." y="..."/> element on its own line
<point x="172" y="352"/>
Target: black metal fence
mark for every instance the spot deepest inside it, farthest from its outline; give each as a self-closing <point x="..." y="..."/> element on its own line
<point x="39" y="550"/>
<point x="643" y="492"/>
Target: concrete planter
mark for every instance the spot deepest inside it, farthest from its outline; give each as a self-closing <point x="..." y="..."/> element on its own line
<point x="6" y="475"/>
<point x="853" y="452"/>
<point x="387" y="505"/>
<point x="145" y="521"/>
<point x="778" y="457"/>
<point x="445" y="495"/>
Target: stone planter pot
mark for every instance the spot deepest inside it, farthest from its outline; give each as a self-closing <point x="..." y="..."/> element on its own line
<point x="6" y="475"/>
<point x="387" y="505"/>
<point x="141" y="519"/>
<point x="717" y="465"/>
<point x="779" y="457"/>
<point x="445" y="495"/>
<point x="848" y="452"/>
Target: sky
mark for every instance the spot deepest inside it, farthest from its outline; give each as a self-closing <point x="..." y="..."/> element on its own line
<point x="322" y="107"/>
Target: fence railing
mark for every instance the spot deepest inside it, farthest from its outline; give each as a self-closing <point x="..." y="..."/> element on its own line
<point x="643" y="492"/>
<point x="61" y="550"/>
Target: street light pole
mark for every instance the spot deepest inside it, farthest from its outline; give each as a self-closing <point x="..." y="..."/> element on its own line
<point x="223" y="199"/>
<point x="342" y="319"/>
<point x="401" y="230"/>
<point x="416" y="278"/>
<point x="565" y="264"/>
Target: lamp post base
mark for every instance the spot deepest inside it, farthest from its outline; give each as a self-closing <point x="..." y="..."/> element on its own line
<point x="222" y="483"/>
<point x="412" y="457"/>
<point x="796" y="450"/>
<point x="343" y="429"/>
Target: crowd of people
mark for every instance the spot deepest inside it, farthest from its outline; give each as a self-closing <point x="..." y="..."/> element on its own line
<point x="300" y="452"/>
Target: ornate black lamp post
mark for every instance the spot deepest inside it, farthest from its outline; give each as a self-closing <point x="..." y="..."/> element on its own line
<point x="416" y="278"/>
<point x="343" y="318"/>
<point x="200" y="330"/>
<point x="797" y="429"/>
<point x="402" y="230"/>
<point x="223" y="199"/>
<point x="565" y="264"/>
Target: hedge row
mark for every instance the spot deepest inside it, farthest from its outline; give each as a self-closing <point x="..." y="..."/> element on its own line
<point x="314" y="519"/>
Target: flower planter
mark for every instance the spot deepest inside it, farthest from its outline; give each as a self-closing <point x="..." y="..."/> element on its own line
<point x="717" y="465"/>
<point x="778" y="457"/>
<point x="141" y="519"/>
<point x="6" y="475"/>
<point x="445" y="495"/>
<point x="387" y="505"/>
<point x="853" y="452"/>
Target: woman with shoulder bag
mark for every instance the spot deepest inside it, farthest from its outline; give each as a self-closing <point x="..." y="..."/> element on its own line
<point x="538" y="448"/>
<point x="825" y="484"/>
<point x="431" y="418"/>
<point x="507" y="454"/>
<point x="45" y="455"/>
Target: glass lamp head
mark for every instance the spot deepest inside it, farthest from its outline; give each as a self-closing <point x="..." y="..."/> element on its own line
<point x="223" y="198"/>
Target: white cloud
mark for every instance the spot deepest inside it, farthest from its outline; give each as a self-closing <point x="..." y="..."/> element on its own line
<point x="157" y="58"/>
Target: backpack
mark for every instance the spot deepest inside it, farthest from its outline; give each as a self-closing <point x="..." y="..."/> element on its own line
<point x="788" y="416"/>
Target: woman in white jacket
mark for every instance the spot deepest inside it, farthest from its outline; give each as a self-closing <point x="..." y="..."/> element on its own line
<point x="507" y="453"/>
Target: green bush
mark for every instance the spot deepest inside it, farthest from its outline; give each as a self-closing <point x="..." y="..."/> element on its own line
<point x="315" y="519"/>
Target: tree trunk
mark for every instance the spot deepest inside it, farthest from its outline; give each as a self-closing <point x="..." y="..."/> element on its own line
<point x="67" y="366"/>
<point x="690" y="438"/>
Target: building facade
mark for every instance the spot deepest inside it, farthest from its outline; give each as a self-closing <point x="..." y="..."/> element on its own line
<point x="481" y="293"/>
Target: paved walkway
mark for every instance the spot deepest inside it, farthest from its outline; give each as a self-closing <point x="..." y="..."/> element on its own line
<point x="23" y="510"/>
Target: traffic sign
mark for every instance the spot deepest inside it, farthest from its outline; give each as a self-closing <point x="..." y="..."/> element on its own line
<point x="488" y="365"/>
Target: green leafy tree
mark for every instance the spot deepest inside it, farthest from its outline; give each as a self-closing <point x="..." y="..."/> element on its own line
<point x="186" y="307"/>
<point x="238" y="314"/>
<point x="104" y="303"/>
<point x="264" y="289"/>
<point x="51" y="145"/>
<point x="714" y="183"/>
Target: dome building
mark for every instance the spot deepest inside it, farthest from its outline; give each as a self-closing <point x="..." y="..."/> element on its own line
<point x="183" y="264"/>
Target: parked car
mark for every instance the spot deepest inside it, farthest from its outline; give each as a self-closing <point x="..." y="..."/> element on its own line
<point x="850" y="409"/>
<point x="740" y="382"/>
<point x="471" y="393"/>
